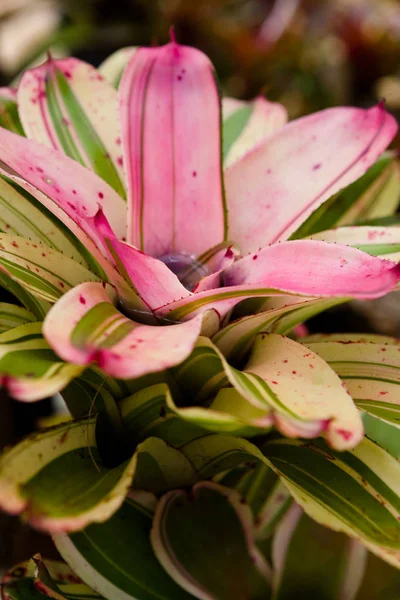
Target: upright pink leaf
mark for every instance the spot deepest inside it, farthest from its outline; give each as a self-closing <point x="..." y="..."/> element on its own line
<point x="170" y="120"/>
<point x="275" y="187"/>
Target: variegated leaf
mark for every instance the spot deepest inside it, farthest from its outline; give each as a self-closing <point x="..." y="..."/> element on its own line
<point x="137" y="574"/>
<point x="44" y="272"/>
<point x="9" y="118"/>
<point x="332" y="565"/>
<point x="284" y="384"/>
<point x="355" y="492"/>
<point x="29" y="369"/>
<point x="114" y="65"/>
<point x="244" y="124"/>
<point x="375" y="195"/>
<point x="21" y="214"/>
<point x="66" y="105"/>
<point x="12" y="316"/>
<point x="192" y="530"/>
<point x="37" y="578"/>
<point x="94" y="330"/>
<point x="235" y="339"/>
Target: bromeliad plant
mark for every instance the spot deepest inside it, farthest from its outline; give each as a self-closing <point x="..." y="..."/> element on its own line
<point x="158" y="266"/>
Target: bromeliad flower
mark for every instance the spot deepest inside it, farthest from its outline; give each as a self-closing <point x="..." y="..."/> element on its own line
<point x="189" y="244"/>
<point x="190" y="385"/>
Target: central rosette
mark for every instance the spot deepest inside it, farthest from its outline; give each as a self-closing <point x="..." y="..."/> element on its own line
<point x="185" y="266"/>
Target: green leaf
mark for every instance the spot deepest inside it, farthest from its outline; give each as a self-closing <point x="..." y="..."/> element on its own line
<point x="113" y="67"/>
<point x="9" y="118"/>
<point x="12" y="316"/>
<point x="369" y="367"/>
<point x="116" y="557"/>
<point x="281" y="384"/>
<point x="331" y="567"/>
<point x="354" y="492"/>
<point x="37" y="307"/>
<point x="28" y="366"/>
<point x="21" y="214"/>
<point x="376" y="194"/>
<point x="43" y="272"/>
<point x="277" y="315"/>
<point x="198" y="536"/>
<point x="37" y="578"/>
<point x="56" y="479"/>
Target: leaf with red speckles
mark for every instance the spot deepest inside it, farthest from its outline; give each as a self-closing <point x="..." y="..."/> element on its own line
<point x="246" y="124"/>
<point x="355" y="492"/>
<point x="172" y="151"/>
<point x="282" y="385"/>
<point x="58" y="481"/>
<point x="9" y="118"/>
<point x="42" y="271"/>
<point x="85" y="327"/>
<point x="68" y="106"/>
<point x="376" y="240"/>
<point x="369" y="365"/>
<point x="67" y="190"/>
<point x="274" y="188"/>
<point x="299" y="267"/>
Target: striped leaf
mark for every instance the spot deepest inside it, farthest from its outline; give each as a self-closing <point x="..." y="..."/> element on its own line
<point x="50" y="177"/>
<point x="94" y="330"/>
<point x="236" y="339"/>
<point x="265" y="494"/>
<point x="244" y="124"/>
<point x="36" y="579"/>
<point x="148" y="413"/>
<point x="35" y="305"/>
<point x="375" y="195"/>
<point x="57" y="481"/>
<point x="354" y="492"/>
<point x="12" y="316"/>
<point x="67" y="105"/>
<point x="29" y="369"/>
<point x="193" y="530"/>
<point x="332" y="565"/>
<point x="283" y="384"/>
<point x="137" y="575"/>
<point x="44" y="272"/>
<point x="9" y="118"/>
<point x="21" y="214"/>
<point x="378" y="241"/>
<point x="369" y="365"/>
<point x="114" y="65"/>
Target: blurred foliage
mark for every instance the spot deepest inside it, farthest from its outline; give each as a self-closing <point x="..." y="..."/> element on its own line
<point x="308" y="54"/>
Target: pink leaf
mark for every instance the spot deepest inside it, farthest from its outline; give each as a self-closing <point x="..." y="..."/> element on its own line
<point x="170" y="120"/>
<point x="275" y="187"/>
<point x="85" y="327"/>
